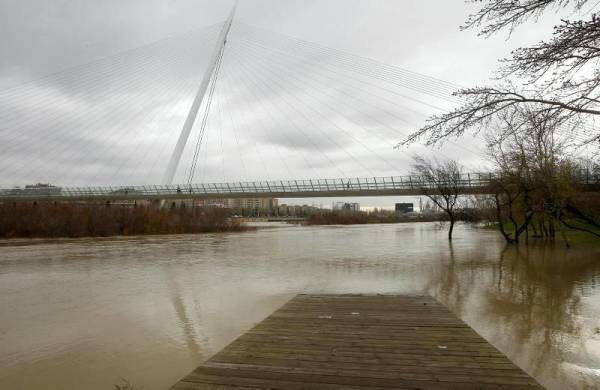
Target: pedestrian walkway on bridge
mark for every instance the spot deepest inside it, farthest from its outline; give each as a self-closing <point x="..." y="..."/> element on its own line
<point x="359" y="342"/>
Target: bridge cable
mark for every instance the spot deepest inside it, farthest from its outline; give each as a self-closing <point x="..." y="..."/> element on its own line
<point x="428" y="80"/>
<point x="207" y="106"/>
<point x="259" y="101"/>
<point x="355" y="97"/>
<point x="84" y="114"/>
<point x="228" y="92"/>
<point x="257" y="152"/>
<point x="80" y="114"/>
<point x="299" y="128"/>
<point x="334" y="125"/>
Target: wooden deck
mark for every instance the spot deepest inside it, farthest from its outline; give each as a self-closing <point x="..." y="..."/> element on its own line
<point x="359" y="342"/>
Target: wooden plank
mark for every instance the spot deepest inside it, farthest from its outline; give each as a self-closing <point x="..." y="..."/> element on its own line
<point x="370" y="342"/>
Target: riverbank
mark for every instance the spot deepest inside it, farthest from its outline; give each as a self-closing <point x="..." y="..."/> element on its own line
<point x="56" y="220"/>
<point x="361" y="217"/>
<point x="561" y="236"/>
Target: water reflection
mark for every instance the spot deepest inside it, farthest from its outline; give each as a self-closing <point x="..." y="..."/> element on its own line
<point x="538" y="295"/>
<point x="531" y="307"/>
<point x="81" y="313"/>
<point x="192" y="340"/>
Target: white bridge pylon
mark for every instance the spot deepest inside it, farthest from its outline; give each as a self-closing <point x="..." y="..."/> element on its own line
<point x="198" y="99"/>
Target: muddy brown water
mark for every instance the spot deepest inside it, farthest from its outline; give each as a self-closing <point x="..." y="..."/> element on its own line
<point x="81" y="314"/>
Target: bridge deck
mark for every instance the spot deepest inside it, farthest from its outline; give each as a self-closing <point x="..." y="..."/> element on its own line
<point x="359" y="342"/>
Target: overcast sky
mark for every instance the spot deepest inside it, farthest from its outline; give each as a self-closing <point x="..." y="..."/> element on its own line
<point x="95" y="92"/>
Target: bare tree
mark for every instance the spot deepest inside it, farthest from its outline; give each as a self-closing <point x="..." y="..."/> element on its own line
<point x="535" y="178"/>
<point x="560" y="75"/>
<point x="513" y="184"/>
<point x="441" y="182"/>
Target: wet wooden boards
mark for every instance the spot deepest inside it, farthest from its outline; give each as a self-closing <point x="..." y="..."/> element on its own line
<point x="336" y="342"/>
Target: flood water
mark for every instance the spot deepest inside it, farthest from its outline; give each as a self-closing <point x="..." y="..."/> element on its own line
<point x="81" y="314"/>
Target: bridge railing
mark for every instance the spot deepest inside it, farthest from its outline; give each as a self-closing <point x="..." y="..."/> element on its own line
<point x="337" y="186"/>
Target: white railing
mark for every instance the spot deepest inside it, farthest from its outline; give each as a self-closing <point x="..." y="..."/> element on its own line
<point x="468" y="182"/>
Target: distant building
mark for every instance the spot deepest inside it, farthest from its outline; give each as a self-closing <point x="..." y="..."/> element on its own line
<point x="264" y="205"/>
<point x="346" y="206"/>
<point x="253" y="203"/>
<point x="285" y="210"/>
<point x="36" y="189"/>
<point x="404" y="208"/>
<point x="122" y="203"/>
<point x="204" y="202"/>
<point x="430" y="208"/>
<point x="308" y="210"/>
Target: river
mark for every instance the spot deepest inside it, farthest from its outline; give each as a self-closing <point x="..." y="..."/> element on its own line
<point x="81" y="314"/>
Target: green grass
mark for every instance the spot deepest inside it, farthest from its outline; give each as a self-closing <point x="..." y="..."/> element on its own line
<point x="574" y="237"/>
<point x="579" y="238"/>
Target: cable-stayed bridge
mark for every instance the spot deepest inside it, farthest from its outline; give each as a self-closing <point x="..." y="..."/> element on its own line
<point x="467" y="184"/>
<point x="267" y="107"/>
<point x="376" y="186"/>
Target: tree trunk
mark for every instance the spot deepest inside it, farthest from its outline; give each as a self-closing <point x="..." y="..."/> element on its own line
<point x="451" y="228"/>
<point x="499" y="220"/>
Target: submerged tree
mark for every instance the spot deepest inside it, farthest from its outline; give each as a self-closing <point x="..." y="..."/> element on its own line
<point x="559" y="76"/>
<point x="527" y="166"/>
<point x="441" y="182"/>
<point x="536" y="180"/>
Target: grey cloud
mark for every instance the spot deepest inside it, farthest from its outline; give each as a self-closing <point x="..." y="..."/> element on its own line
<point x="116" y="120"/>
